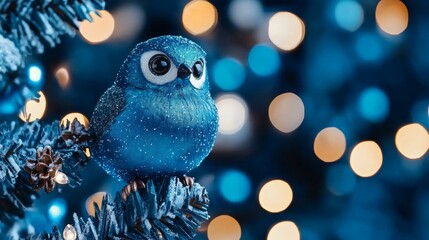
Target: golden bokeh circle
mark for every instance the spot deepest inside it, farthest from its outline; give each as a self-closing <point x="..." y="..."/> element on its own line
<point x="330" y="144"/>
<point x="366" y="159"/>
<point x="199" y="17"/>
<point x="275" y="196"/>
<point x="224" y="227"/>
<point x="392" y="16"/>
<point x="412" y="141"/>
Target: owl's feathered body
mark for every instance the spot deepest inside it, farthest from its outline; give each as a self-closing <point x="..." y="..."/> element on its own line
<point x="161" y="126"/>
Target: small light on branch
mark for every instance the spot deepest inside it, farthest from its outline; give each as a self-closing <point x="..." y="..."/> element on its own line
<point x="87" y="152"/>
<point x="61" y="178"/>
<point x="69" y="232"/>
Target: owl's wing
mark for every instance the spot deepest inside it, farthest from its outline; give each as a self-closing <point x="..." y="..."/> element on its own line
<point x="110" y="105"/>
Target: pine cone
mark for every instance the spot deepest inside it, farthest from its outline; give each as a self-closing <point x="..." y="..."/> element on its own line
<point x="43" y="169"/>
<point x="74" y="131"/>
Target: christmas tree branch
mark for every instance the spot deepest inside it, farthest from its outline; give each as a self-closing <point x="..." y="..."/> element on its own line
<point x="32" y="24"/>
<point x="165" y="209"/>
<point x="26" y="27"/>
<point x="32" y="157"/>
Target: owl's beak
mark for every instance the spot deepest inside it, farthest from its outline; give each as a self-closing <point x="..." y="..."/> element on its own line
<point x="183" y="72"/>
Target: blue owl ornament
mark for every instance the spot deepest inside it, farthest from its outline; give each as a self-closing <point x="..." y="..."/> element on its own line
<point x="158" y="118"/>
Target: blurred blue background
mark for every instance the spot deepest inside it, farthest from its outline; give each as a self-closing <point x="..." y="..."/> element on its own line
<point x="323" y="111"/>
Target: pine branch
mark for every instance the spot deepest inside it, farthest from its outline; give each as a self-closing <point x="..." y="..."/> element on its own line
<point x="32" y="24"/>
<point x="26" y="27"/>
<point x="21" y="143"/>
<point x="14" y="89"/>
<point x="165" y="209"/>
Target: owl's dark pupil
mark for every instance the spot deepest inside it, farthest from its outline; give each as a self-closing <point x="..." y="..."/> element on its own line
<point x="197" y="69"/>
<point x="159" y="64"/>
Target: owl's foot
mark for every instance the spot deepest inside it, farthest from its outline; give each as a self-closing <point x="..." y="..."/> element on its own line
<point x="132" y="187"/>
<point x="186" y="181"/>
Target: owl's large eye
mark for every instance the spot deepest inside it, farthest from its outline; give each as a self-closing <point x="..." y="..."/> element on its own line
<point x="157" y="67"/>
<point x="198" y="76"/>
<point x="159" y="64"/>
<point x="197" y="69"/>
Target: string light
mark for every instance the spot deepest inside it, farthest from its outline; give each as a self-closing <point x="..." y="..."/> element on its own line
<point x="224" y="227"/>
<point x="366" y="159"/>
<point x="286" y="30"/>
<point x="35" y="73"/>
<point x="34" y="109"/>
<point x="228" y="74"/>
<point x="374" y="105"/>
<point x="199" y="17"/>
<point x="61" y="178"/>
<point x="264" y="60"/>
<point x="275" y="196"/>
<point x="129" y="22"/>
<point x="69" y="232"/>
<point x="232" y="111"/>
<point x="285" y="230"/>
<point x="63" y="77"/>
<point x="392" y="16"/>
<point x="286" y="112"/>
<point x="246" y="14"/>
<point x="235" y="186"/>
<point x="57" y="210"/>
<point x="100" y="29"/>
<point x="349" y="15"/>
<point x="412" y="141"/>
<point x="87" y="152"/>
<point x="330" y="144"/>
<point x="94" y="198"/>
<point x="71" y="116"/>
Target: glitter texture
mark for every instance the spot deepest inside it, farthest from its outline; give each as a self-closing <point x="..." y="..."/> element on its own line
<point x="145" y="130"/>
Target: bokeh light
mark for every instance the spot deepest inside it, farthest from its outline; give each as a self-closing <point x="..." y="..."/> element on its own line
<point x="69" y="232"/>
<point x="349" y="15"/>
<point x="234" y="186"/>
<point x="374" y="105"/>
<point x="57" y="210"/>
<point x="63" y="77"/>
<point x="100" y="29"/>
<point x="71" y="116"/>
<point x="224" y="227"/>
<point x="94" y="198"/>
<point x="285" y="230"/>
<point x="233" y="113"/>
<point x="264" y="60"/>
<point x="129" y="22"/>
<point x="35" y="74"/>
<point x="412" y="140"/>
<point x="366" y="158"/>
<point x="34" y="109"/>
<point x="330" y="144"/>
<point x="61" y="178"/>
<point x="246" y="14"/>
<point x="275" y="196"/>
<point x="286" y="112"/>
<point x="369" y="47"/>
<point x="199" y="17"/>
<point x="392" y="16"/>
<point x="228" y="74"/>
<point x="340" y="180"/>
<point x="286" y="30"/>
